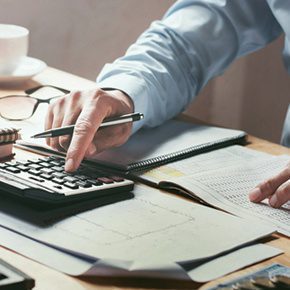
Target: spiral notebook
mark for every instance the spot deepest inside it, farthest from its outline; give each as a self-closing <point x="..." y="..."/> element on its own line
<point x="149" y="148"/>
<point x="172" y="141"/>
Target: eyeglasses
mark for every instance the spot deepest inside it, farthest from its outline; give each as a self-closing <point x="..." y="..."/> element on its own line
<point x="22" y="107"/>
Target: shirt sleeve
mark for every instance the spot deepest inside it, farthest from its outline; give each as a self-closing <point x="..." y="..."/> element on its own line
<point x="195" y="41"/>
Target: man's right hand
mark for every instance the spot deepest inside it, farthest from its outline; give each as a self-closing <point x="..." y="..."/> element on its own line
<point x="87" y="110"/>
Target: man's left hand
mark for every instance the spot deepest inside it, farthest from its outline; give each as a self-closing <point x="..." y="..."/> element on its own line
<point x="277" y="189"/>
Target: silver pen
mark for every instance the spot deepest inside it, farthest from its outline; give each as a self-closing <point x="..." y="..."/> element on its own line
<point x="68" y="130"/>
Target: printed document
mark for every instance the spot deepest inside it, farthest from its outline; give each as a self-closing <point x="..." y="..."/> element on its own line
<point x="224" y="178"/>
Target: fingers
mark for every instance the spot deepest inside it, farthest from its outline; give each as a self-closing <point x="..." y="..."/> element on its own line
<point x="86" y="126"/>
<point x="54" y="120"/>
<point x="57" y="122"/>
<point x="73" y="110"/>
<point x="281" y="196"/>
<point x="277" y="189"/>
<point x="63" y="112"/>
<point x="48" y="123"/>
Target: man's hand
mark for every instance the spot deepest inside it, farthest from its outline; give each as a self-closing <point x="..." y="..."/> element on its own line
<point x="277" y="189"/>
<point x="87" y="110"/>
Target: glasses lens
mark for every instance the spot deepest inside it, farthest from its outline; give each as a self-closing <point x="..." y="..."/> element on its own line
<point x="17" y="107"/>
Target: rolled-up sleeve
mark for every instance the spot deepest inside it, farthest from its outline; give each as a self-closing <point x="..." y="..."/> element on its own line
<point x="195" y="41"/>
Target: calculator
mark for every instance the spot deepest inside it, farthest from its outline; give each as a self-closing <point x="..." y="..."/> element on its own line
<point x="44" y="182"/>
<point x="12" y="278"/>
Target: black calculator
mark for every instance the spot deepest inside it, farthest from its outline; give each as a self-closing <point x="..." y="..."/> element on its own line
<point x="12" y="278"/>
<point x="44" y="182"/>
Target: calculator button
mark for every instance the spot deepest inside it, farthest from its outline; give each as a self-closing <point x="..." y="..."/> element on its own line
<point x="22" y="167"/>
<point x="34" y="172"/>
<point x="46" y="170"/>
<point x="105" y="180"/>
<point x="54" y="163"/>
<point x="12" y="169"/>
<point x="3" y="165"/>
<point x="81" y="177"/>
<point x="44" y="159"/>
<point x="45" y="164"/>
<point x="11" y="163"/>
<point x="70" y="179"/>
<point x="84" y="184"/>
<point x="58" y="168"/>
<point x="35" y="166"/>
<point x="95" y="182"/>
<point x="36" y="178"/>
<point x="57" y="162"/>
<point x="71" y="185"/>
<point x="23" y="162"/>
<point x="34" y="160"/>
<point x="58" y="174"/>
<point x="58" y="180"/>
<point x="46" y="176"/>
<point x="117" y="178"/>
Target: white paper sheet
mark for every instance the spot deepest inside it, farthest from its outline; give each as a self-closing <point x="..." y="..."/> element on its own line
<point x="46" y="255"/>
<point x="77" y="266"/>
<point x="151" y="229"/>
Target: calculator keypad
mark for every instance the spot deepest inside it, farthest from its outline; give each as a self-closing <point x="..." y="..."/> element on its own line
<point x="50" y="171"/>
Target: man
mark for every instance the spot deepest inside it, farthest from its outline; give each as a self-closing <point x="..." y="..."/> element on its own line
<point x="163" y="71"/>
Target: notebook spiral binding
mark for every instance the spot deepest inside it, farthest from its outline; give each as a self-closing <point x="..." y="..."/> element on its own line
<point x="8" y="135"/>
<point x="191" y="151"/>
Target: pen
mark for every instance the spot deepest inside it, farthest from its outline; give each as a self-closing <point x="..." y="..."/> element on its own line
<point x="68" y="130"/>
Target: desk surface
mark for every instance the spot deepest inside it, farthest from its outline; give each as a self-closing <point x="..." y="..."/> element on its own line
<point x="49" y="279"/>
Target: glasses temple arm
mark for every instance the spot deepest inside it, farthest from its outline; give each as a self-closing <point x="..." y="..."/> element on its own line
<point x="32" y="90"/>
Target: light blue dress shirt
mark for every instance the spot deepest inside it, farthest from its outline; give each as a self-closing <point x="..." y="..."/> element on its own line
<point x="195" y="41"/>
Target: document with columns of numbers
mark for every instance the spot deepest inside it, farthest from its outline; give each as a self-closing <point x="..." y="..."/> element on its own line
<point x="224" y="178"/>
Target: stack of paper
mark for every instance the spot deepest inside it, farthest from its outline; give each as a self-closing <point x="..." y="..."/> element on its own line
<point x="152" y="235"/>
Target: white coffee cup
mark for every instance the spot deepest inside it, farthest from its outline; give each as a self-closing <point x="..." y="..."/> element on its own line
<point x="13" y="47"/>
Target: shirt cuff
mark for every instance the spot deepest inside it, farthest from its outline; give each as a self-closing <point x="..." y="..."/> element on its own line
<point x="135" y="88"/>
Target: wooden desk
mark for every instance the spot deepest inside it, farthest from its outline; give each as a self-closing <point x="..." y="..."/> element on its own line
<point x="49" y="279"/>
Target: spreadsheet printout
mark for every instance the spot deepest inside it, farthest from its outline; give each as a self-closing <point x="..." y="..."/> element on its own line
<point x="214" y="160"/>
<point x="228" y="189"/>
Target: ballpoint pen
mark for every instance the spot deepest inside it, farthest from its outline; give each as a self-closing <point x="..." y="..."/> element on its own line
<point x="68" y="130"/>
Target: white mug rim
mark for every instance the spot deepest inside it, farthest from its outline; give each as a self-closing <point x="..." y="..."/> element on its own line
<point x="20" y="31"/>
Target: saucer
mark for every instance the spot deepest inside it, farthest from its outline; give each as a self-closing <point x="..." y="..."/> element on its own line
<point x="28" y="68"/>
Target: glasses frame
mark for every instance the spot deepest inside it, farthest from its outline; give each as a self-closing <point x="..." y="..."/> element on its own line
<point x="28" y="94"/>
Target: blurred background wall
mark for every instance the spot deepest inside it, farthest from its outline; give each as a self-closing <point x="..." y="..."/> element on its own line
<point x="80" y="36"/>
